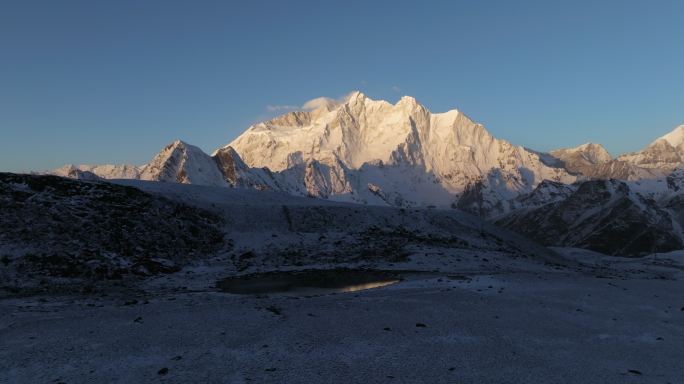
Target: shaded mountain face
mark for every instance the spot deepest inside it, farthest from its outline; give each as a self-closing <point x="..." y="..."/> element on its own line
<point x="545" y="193"/>
<point x="602" y="215"/>
<point x="236" y="173"/>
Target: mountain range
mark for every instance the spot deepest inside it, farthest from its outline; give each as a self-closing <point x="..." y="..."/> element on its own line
<point x="373" y="152"/>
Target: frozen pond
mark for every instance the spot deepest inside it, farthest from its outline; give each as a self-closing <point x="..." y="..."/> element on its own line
<point x="308" y="282"/>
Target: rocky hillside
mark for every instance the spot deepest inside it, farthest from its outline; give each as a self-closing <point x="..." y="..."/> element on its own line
<point x="272" y="230"/>
<point x="52" y="227"/>
<point x="605" y="216"/>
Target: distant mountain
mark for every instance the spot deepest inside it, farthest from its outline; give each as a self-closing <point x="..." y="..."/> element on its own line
<point x="580" y="159"/>
<point x="592" y="161"/>
<point x="108" y="171"/>
<point x="665" y="153"/>
<point x="178" y="162"/>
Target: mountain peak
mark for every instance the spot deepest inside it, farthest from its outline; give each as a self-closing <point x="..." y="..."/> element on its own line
<point x="377" y="142"/>
<point x="591" y="152"/>
<point x="176" y="144"/>
<point x="408" y="101"/>
<point x="183" y="163"/>
<point x="321" y="103"/>
<point x="590" y="146"/>
<point x="597" y="151"/>
<point x="356" y="95"/>
<point x="676" y="137"/>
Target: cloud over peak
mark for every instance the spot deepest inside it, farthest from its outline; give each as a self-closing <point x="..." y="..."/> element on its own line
<point x="320" y="102"/>
<point x="281" y="108"/>
<point x="313" y="104"/>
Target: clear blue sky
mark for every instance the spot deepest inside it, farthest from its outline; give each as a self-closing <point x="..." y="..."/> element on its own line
<point x="114" y="81"/>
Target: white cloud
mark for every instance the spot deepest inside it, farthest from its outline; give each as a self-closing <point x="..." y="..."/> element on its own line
<point x="319" y="102"/>
<point x="396" y="88"/>
<point x="280" y="108"/>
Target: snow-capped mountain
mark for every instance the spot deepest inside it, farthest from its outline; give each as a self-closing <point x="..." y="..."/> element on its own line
<point x="396" y="152"/>
<point x="375" y="152"/>
<point x="579" y="159"/>
<point x="75" y="172"/>
<point x="177" y="162"/>
<point x="183" y="163"/>
<point x="107" y="171"/>
<point x="358" y="150"/>
<point x="656" y="161"/>
<point x="665" y="153"/>
<point x="592" y="161"/>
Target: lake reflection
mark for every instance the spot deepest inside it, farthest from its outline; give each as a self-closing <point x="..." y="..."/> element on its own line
<point x="308" y="282"/>
<point x="362" y="287"/>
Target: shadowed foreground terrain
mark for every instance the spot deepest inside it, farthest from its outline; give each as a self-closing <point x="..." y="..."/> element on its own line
<point x="474" y="304"/>
<point x="538" y="325"/>
<point x="57" y="233"/>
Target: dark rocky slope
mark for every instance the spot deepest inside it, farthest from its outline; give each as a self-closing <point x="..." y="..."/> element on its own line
<point x="53" y="227"/>
<point x="601" y="215"/>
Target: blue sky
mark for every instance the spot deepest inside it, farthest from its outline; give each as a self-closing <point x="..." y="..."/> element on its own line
<point x="114" y="81"/>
